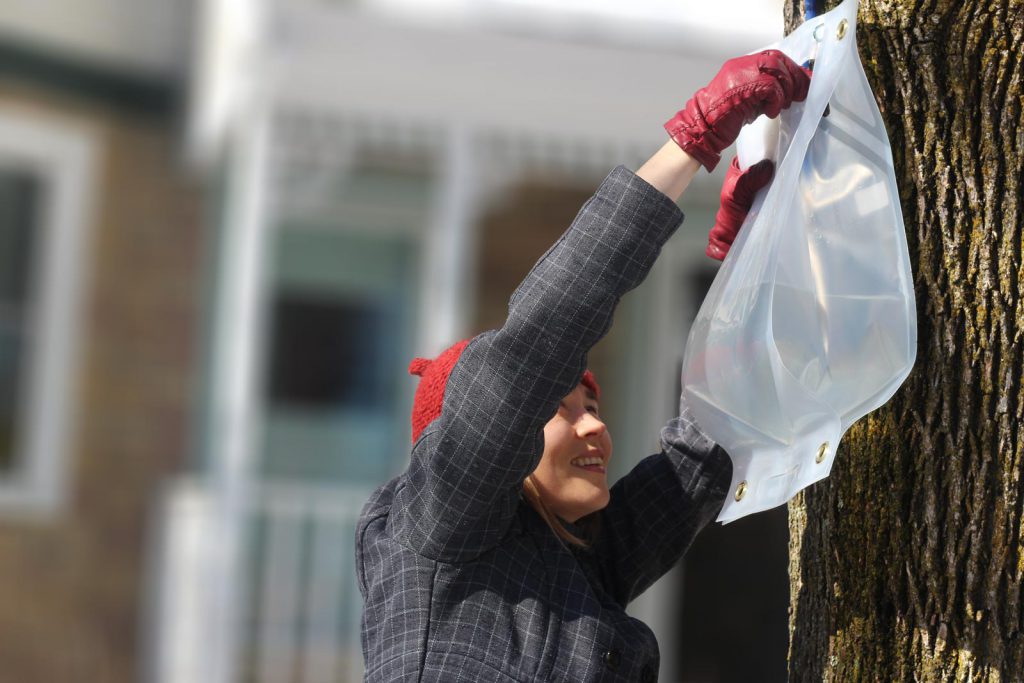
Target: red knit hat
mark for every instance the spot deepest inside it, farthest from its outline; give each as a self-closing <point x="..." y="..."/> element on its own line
<point x="426" y="406"/>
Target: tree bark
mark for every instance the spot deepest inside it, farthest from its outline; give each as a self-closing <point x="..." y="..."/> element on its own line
<point x="907" y="563"/>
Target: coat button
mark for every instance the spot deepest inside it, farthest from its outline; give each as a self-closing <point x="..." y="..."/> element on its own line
<point x="612" y="658"/>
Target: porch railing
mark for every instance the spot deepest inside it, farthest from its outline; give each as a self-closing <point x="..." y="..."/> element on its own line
<point x="300" y="620"/>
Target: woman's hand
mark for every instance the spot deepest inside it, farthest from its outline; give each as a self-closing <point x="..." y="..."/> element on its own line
<point x="744" y="88"/>
<point x="738" y="192"/>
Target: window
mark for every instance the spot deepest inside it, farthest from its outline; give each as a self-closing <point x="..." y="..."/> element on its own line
<point x="339" y="331"/>
<point x="19" y="219"/>
<point x="44" y="180"/>
<point x="329" y="354"/>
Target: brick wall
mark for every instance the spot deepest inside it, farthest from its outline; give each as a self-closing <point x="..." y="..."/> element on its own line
<point x="72" y="589"/>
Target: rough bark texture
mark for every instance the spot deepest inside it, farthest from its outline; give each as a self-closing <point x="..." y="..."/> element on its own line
<point x="907" y="563"/>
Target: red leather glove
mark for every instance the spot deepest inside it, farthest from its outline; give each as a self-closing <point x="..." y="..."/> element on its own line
<point x="745" y="88"/>
<point x="738" y="192"/>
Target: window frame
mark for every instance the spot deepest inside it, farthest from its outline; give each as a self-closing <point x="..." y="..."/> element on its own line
<point x="62" y="155"/>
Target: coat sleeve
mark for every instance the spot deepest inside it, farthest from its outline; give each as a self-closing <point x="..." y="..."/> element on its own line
<point x="657" y="509"/>
<point x="462" y="487"/>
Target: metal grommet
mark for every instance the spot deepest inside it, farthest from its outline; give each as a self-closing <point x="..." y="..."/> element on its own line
<point x="841" y="31"/>
<point x="822" y="452"/>
<point x="819" y="33"/>
<point x="741" y="490"/>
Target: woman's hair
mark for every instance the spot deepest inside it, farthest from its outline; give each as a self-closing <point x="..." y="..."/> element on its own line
<point x="538" y="504"/>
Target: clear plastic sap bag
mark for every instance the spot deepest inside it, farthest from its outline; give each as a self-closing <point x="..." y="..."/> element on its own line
<point x="810" y="323"/>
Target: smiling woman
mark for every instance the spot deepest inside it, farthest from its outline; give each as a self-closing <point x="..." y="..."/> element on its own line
<point x="571" y="478"/>
<point x="463" y="560"/>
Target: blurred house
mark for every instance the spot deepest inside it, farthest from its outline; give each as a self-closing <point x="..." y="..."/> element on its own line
<point x="101" y="262"/>
<point x="226" y="227"/>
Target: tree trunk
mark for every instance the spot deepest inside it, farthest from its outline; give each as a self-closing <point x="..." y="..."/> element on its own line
<point x="907" y="563"/>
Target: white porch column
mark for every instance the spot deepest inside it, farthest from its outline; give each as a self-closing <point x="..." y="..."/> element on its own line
<point x="450" y="246"/>
<point x="235" y="408"/>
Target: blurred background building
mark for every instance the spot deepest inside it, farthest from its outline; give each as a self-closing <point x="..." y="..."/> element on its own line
<point x="225" y="228"/>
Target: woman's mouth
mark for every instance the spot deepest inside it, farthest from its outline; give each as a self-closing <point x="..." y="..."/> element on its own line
<point x="589" y="463"/>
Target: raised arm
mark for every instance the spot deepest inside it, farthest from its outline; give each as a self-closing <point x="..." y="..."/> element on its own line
<point x="670" y="170"/>
<point x="462" y="487"/>
<point x="656" y="510"/>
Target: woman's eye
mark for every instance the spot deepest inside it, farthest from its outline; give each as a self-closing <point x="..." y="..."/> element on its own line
<point x="592" y="410"/>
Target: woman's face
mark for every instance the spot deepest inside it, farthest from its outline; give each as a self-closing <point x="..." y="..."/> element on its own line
<point x="572" y="475"/>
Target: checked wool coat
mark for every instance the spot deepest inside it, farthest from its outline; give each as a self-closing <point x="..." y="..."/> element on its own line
<point x="461" y="579"/>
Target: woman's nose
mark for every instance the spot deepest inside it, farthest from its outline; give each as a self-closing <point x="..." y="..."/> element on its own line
<point x="590" y="425"/>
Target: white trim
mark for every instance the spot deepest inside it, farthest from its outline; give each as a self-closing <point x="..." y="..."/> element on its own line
<point x="144" y="37"/>
<point x="706" y="28"/>
<point x="64" y="158"/>
<point x="178" y="649"/>
<point x="225" y="71"/>
<point x="450" y="248"/>
<point x="572" y="102"/>
<point x="236" y="405"/>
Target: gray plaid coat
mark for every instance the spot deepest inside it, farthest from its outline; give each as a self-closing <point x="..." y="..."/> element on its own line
<point x="461" y="579"/>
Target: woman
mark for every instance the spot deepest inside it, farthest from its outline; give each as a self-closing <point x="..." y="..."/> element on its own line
<point x="501" y="553"/>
